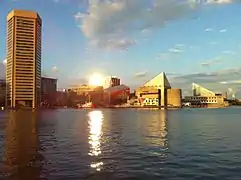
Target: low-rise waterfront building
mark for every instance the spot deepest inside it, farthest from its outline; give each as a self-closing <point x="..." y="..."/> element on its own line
<point x="96" y="96"/>
<point x="116" y="95"/>
<point x="61" y="98"/>
<point x="82" y="89"/>
<point x="205" y="98"/>
<point x="85" y="94"/>
<point x="158" y="93"/>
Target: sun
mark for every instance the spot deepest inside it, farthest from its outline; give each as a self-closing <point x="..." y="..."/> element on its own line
<point x="96" y="80"/>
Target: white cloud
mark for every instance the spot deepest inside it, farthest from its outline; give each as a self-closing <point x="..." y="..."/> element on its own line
<point x="219" y="1"/>
<point x="79" y="2"/>
<point x="223" y="30"/>
<point x="54" y="69"/>
<point x="115" y="20"/>
<point x="141" y="74"/>
<point x="194" y="47"/>
<point x="205" y="64"/>
<point x="122" y="44"/>
<point x="231" y="82"/>
<point x="208" y="29"/>
<point x="117" y="16"/>
<point x="211" y="62"/>
<point x="180" y="45"/>
<point x="146" y="31"/>
<point x="4" y="62"/>
<point x="209" y="80"/>
<point x="213" y="42"/>
<point x="223" y="82"/>
<point x="175" y="50"/>
<point x="163" y="56"/>
<point x="229" y="52"/>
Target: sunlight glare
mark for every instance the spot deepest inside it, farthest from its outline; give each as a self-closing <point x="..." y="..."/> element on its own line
<point x="95" y="126"/>
<point x="96" y="80"/>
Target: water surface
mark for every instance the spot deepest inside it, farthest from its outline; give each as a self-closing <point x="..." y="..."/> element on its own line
<point x="121" y="144"/>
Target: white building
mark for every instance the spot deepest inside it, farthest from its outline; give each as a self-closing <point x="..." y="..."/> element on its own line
<point x="205" y="96"/>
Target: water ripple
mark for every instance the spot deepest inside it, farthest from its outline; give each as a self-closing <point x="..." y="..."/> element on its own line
<point x="121" y="144"/>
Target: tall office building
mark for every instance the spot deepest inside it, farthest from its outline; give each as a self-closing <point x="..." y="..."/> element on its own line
<point x="23" y="70"/>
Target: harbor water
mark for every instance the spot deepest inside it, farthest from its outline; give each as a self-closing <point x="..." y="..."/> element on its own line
<point x="74" y="144"/>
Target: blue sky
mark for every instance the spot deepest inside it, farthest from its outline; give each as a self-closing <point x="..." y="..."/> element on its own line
<point x="137" y="39"/>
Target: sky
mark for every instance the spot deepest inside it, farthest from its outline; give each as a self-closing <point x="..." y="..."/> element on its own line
<point x="190" y="40"/>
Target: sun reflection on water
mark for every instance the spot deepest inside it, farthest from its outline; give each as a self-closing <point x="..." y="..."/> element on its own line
<point x="95" y="126"/>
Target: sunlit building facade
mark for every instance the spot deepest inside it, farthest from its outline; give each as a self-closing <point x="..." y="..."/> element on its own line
<point x="23" y="68"/>
<point x="82" y="89"/>
<point x="158" y="92"/>
<point x="86" y="93"/>
<point x="205" y="97"/>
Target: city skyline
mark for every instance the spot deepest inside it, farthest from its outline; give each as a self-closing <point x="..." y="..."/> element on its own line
<point x="198" y="44"/>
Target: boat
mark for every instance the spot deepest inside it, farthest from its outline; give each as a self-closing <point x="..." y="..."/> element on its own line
<point x="88" y="105"/>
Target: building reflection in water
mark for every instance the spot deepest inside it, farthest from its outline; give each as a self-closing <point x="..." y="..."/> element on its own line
<point x="21" y="146"/>
<point x="95" y="127"/>
<point x="157" y="129"/>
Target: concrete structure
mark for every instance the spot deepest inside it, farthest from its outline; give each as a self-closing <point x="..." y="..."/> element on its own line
<point x="111" y="81"/>
<point x="48" y="90"/>
<point x="158" y="93"/>
<point x="23" y="68"/>
<point x="174" y="97"/>
<point x="205" y="98"/>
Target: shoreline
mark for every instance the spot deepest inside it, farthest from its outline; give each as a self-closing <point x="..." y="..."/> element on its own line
<point x="117" y="108"/>
<point x="124" y="107"/>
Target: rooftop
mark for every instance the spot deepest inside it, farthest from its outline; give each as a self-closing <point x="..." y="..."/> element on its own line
<point x="159" y="80"/>
<point x="23" y="13"/>
<point x="116" y="88"/>
<point x="45" y="77"/>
